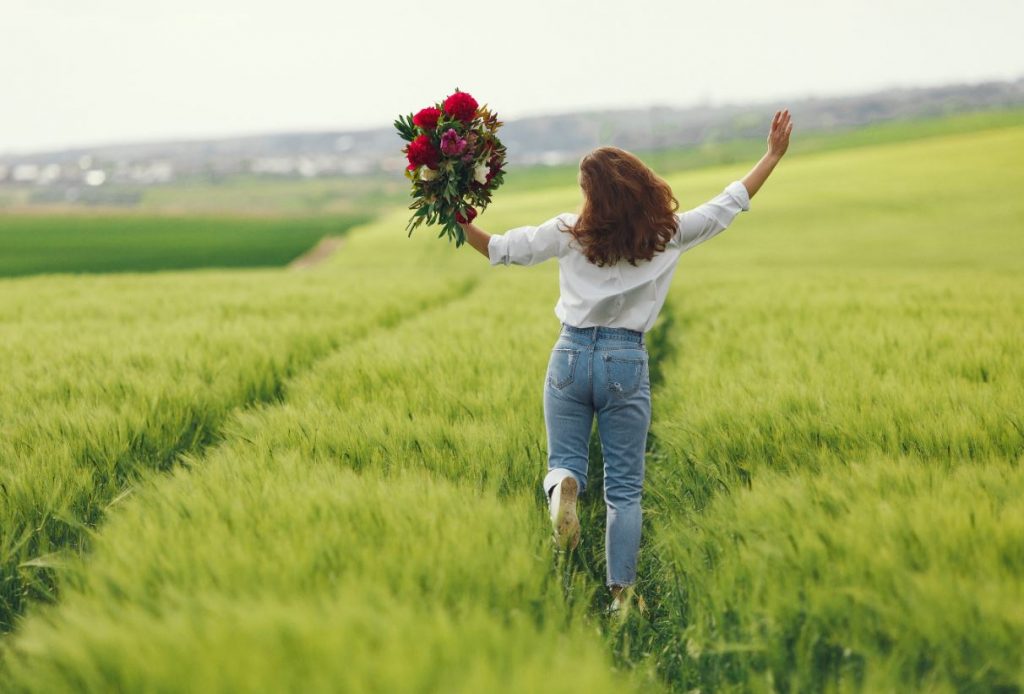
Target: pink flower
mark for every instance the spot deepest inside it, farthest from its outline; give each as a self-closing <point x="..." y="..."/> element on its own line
<point x="451" y="144"/>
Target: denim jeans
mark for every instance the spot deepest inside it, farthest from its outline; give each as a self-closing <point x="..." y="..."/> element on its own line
<point x="602" y="371"/>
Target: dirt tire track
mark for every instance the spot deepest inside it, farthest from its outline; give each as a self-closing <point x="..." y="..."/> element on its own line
<point x="318" y="253"/>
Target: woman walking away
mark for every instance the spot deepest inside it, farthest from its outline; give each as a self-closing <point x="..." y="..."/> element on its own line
<point x="616" y="259"/>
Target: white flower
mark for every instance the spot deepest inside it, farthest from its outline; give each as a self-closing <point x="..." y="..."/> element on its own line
<point x="480" y="173"/>
<point x="427" y="173"/>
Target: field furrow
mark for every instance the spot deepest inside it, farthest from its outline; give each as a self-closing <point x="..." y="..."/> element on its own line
<point x="372" y="502"/>
<point x="119" y="375"/>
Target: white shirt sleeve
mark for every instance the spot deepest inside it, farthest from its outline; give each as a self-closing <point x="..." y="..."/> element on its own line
<point x="527" y="245"/>
<point x="707" y="220"/>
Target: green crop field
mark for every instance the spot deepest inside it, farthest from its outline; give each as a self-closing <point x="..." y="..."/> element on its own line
<point x="329" y="480"/>
<point x="32" y="244"/>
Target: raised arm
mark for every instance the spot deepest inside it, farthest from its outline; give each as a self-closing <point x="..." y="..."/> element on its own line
<point x="525" y="245"/>
<point x="778" y="143"/>
<point x="710" y="219"/>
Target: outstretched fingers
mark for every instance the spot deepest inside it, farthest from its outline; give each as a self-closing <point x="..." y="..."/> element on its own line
<point x="778" y="137"/>
<point x="781" y="122"/>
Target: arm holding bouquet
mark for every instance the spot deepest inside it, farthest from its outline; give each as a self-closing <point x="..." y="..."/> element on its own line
<point x="525" y="245"/>
<point x="477" y="237"/>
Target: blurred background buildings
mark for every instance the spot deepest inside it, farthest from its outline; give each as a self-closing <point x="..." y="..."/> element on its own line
<point x="117" y="174"/>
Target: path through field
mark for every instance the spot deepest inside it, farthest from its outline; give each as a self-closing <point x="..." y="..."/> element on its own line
<point x="316" y="255"/>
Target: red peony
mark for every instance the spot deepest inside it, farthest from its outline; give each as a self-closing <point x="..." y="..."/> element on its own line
<point x="427" y="118"/>
<point x="460" y="106"/>
<point x="422" y="152"/>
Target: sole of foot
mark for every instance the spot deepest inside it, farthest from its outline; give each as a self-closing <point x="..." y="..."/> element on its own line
<point x="566" y="524"/>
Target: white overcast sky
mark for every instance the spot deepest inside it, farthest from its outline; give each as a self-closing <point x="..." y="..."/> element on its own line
<point x="97" y="71"/>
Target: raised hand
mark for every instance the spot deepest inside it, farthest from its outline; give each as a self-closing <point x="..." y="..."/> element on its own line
<point x="778" y="143"/>
<point x="778" y="136"/>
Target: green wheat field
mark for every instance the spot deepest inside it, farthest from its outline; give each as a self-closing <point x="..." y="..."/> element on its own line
<point x="260" y="479"/>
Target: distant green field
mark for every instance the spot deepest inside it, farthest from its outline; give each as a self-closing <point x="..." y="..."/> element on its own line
<point x="134" y="243"/>
<point x="330" y="480"/>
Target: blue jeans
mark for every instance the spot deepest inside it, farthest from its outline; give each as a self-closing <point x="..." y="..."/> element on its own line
<point x="604" y="371"/>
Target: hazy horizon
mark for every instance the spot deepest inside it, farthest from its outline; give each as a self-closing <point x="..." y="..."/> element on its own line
<point x="212" y="135"/>
<point x="114" y="72"/>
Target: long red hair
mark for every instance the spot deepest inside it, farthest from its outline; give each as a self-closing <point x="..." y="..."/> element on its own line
<point x="627" y="210"/>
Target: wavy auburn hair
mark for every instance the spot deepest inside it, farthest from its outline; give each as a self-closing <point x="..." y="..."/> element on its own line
<point x="627" y="211"/>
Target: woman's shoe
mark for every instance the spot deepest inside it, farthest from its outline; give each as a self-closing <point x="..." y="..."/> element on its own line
<point x="564" y="521"/>
<point x="620" y="604"/>
<point x="623" y="601"/>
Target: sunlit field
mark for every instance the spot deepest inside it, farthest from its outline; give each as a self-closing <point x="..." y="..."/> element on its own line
<point x="224" y="480"/>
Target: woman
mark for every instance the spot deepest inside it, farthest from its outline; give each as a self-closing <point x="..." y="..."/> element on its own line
<point x="616" y="259"/>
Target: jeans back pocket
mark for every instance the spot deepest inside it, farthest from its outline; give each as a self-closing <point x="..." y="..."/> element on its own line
<point x="624" y="371"/>
<point x="562" y="367"/>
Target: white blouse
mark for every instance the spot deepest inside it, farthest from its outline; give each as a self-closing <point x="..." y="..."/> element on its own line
<point x="620" y="295"/>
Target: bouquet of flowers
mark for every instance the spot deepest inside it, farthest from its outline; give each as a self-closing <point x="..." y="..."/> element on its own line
<point x="455" y="162"/>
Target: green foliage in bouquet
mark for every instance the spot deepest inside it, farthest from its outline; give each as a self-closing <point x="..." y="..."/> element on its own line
<point x="455" y="162"/>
